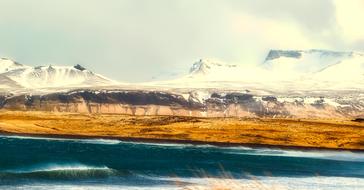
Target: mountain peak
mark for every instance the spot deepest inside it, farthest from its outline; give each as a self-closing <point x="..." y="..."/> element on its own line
<point x="204" y="66"/>
<point x="49" y="76"/>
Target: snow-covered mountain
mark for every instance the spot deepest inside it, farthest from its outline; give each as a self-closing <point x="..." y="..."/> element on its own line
<point x="299" y="63"/>
<point x="304" y="61"/>
<point x="15" y="75"/>
<point x="317" y="69"/>
<point x="285" y="65"/>
<point x="209" y="66"/>
<point x="215" y="70"/>
<point x="282" y="70"/>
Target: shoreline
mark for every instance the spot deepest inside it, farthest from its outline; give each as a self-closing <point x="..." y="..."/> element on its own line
<point x="176" y="141"/>
<point x="295" y="134"/>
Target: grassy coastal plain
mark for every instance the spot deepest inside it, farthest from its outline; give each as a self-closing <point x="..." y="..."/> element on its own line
<point x="294" y="133"/>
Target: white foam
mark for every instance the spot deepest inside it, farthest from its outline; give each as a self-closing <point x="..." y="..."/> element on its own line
<point x="86" y="187"/>
<point x="322" y="154"/>
<point x="175" y="145"/>
<point x="89" y="141"/>
<point x="57" y="167"/>
<point x="343" y="155"/>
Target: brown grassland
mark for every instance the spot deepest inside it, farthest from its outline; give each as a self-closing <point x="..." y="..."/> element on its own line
<point x="295" y="133"/>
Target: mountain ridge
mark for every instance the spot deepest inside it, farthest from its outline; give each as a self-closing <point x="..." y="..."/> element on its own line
<point x="282" y="71"/>
<point x="23" y="76"/>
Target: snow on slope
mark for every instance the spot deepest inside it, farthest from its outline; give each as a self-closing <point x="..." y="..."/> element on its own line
<point x="282" y="70"/>
<point x="293" y="64"/>
<point x="288" y="65"/>
<point x="215" y="70"/>
<point x="8" y="65"/>
<point x="351" y="69"/>
<point x="7" y="83"/>
<point x="308" y="61"/>
<point x="209" y="66"/>
<point x="15" y="75"/>
<point x="281" y="65"/>
<point x="318" y="69"/>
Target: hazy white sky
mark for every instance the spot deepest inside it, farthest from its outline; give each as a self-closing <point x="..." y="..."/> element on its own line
<point x="135" y="40"/>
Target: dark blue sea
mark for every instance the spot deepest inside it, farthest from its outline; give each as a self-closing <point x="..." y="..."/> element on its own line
<point x="48" y="163"/>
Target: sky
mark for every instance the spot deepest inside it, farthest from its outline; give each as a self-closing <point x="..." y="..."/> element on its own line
<point x="143" y="40"/>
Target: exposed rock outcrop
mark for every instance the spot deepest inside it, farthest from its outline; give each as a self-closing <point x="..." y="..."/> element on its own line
<point x="231" y="104"/>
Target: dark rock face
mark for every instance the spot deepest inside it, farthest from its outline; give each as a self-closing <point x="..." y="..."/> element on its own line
<point x="135" y="98"/>
<point x="269" y="98"/>
<point x="2" y="101"/>
<point x="247" y="102"/>
<point x="361" y="120"/>
<point x="274" y="54"/>
<point x="319" y="103"/>
<point x="238" y="98"/>
<point x="79" y="67"/>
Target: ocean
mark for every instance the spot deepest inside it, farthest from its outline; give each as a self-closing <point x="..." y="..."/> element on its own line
<point x="52" y="163"/>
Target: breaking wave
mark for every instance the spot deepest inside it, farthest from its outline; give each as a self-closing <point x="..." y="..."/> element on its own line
<point x="59" y="171"/>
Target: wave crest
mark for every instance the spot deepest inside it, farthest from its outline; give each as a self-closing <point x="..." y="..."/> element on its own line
<point x="56" y="171"/>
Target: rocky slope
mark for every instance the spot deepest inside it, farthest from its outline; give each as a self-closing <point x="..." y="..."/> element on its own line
<point x="231" y="104"/>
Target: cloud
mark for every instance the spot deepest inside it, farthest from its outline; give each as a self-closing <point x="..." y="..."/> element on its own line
<point x="349" y="16"/>
<point x="312" y="15"/>
<point x="136" y="40"/>
<point x="262" y="34"/>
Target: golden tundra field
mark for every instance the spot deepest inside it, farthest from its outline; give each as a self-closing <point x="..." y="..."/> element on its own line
<point x="305" y="133"/>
